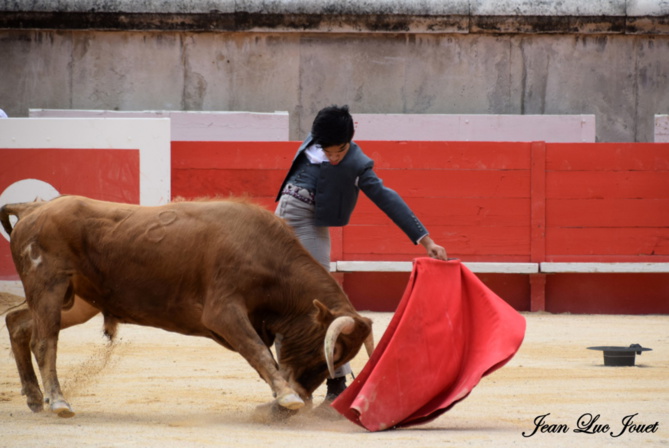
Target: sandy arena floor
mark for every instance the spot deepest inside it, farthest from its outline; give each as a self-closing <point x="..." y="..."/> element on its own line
<point x="157" y="389"/>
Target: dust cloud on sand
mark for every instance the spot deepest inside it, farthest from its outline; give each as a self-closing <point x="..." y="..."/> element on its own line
<point x="152" y="388"/>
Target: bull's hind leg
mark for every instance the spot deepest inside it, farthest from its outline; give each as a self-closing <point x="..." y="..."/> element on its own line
<point x="231" y="322"/>
<point x="20" y="327"/>
<point x="46" y="305"/>
<point x="44" y="345"/>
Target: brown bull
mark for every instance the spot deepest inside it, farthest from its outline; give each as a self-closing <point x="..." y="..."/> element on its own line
<point x="226" y="270"/>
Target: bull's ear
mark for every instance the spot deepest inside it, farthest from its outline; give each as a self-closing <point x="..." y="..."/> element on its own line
<point x="324" y="315"/>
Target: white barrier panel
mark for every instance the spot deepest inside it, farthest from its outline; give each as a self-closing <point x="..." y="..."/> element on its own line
<point x="198" y="126"/>
<point x="661" y="128"/>
<point x="119" y="158"/>
<point x="150" y="136"/>
<point x="504" y="128"/>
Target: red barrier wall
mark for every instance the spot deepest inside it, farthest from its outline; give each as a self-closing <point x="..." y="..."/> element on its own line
<point x="483" y="201"/>
<point x="607" y="202"/>
<point x="110" y="175"/>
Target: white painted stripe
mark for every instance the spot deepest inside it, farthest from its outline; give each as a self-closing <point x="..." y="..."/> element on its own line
<point x="195" y="126"/>
<point x="374" y="266"/>
<point x="509" y="268"/>
<point x="407" y="266"/>
<point x="622" y="268"/>
<point x="503" y="268"/>
<point x="437" y="127"/>
<point x="151" y="136"/>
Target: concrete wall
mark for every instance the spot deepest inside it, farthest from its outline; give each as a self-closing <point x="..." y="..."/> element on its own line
<point x="609" y="58"/>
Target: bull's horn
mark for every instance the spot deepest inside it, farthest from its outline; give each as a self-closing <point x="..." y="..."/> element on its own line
<point x="342" y="324"/>
<point x="369" y="344"/>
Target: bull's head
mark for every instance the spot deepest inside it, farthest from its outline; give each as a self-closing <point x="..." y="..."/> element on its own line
<point x="335" y="340"/>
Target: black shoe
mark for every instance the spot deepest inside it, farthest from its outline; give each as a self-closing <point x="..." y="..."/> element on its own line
<point x="335" y="387"/>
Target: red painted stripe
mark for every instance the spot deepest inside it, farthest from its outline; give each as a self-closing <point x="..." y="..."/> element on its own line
<point x="233" y="155"/>
<point x="387" y="155"/>
<point x="607" y="156"/>
<point x="212" y="182"/>
<point x="382" y="291"/>
<point x="538" y="206"/>
<point x="613" y="213"/>
<point x="607" y="184"/>
<point x="448" y="155"/>
<point x="452" y="211"/>
<point x="608" y="293"/>
<point x="592" y="241"/>
<point x="109" y="175"/>
<point x="458" y="184"/>
<point x="458" y="241"/>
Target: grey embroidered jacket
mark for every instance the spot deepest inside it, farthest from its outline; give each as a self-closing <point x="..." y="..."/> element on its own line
<point x="338" y="187"/>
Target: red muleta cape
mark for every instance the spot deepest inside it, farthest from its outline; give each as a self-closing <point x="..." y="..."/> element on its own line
<point x="448" y="331"/>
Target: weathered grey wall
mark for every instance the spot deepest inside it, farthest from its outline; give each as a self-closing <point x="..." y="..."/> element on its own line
<point x="491" y="57"/>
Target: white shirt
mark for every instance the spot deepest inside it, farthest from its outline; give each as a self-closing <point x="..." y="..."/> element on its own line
<point x="315" y="154"/>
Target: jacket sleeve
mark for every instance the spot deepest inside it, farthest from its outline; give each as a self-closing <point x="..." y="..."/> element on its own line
<point x="391" y="204"/>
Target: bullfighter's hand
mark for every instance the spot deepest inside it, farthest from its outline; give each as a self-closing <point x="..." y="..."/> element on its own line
<point x="433" y="249"/>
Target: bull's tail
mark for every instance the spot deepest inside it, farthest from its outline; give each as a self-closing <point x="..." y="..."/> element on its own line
<point x="18" y="210"/>
<point x="4" y="219"/>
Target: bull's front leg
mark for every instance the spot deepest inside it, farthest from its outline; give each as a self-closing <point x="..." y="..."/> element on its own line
<point x="232" y="324"/>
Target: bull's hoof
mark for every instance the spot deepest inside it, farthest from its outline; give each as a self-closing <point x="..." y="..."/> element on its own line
<point x="36" y="406"/>
<point x="290" y="401"/>
<point x="62" y="409"/>
<point x="34" y="398"/>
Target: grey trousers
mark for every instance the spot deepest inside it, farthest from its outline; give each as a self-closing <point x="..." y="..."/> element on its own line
<point x="300" y="216"/>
